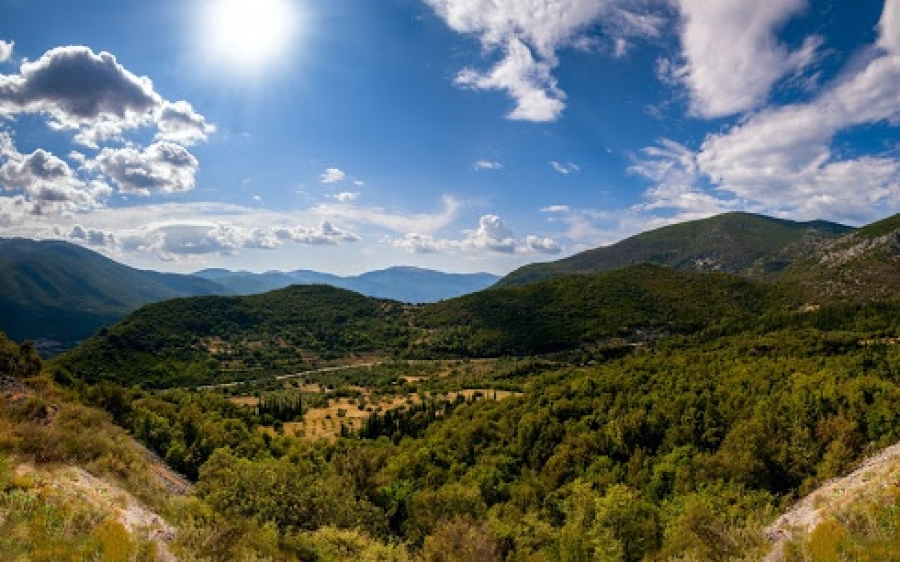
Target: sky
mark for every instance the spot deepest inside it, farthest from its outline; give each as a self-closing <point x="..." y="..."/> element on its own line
<point x="460" y="135"/>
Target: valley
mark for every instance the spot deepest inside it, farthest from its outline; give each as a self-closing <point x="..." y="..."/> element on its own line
<point x="638" y="413"/>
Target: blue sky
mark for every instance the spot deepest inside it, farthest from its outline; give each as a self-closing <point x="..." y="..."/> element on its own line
<point x="460" y="135"/>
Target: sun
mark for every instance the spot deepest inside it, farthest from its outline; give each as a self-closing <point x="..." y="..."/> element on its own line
<point x="248" y="36"/>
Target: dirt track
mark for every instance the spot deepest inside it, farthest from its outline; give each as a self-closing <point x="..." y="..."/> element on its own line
<point x="868" y="481"/>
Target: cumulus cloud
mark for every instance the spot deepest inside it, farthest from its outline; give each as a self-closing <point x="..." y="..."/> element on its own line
<point x="333" y="175"/>
<point x="13" y="211"/>
<point x="731" y="53"/>
<point x="493" y="235"/>
<point x="416" y="243"/>
<point x="528" y="34"/>
<point x="6" y="50"/>
<point x="162" y="167"/>
<point x="95" y="96"/>
<point x="325" y="234"/>
<point x="189" y="240"/>
<point x="487" y="165"/>
<point x="347" y="196"/>
<point x="91" y="237"/>
<point x="565" y="169"/>
<point x="178" y="122"/>
<point x="542" y="245"/>
<point x="46" y="181"/>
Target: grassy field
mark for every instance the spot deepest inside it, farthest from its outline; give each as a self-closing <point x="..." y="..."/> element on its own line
<point x="348" y="397"/>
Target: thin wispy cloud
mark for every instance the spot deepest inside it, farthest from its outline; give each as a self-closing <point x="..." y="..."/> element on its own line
<point x="565" y="168"/>
<point x="487" y="165"/>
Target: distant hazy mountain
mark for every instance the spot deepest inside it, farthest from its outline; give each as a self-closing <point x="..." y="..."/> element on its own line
<point x="405" y="284"/>
<point x="739" y="243"/>
<point x="60" y="292"/>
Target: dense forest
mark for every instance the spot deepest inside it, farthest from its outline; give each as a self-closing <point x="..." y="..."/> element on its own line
<point x="682" y="448"/>
<point x="642" y="413"/>
<point x="210" y="340"/>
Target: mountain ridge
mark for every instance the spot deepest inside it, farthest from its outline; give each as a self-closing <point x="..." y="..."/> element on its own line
<point x="61" y="292"/>
<point x="738" y="243"/>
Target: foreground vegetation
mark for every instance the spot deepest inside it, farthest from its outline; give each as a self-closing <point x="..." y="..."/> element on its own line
<point x="678" y="448"/>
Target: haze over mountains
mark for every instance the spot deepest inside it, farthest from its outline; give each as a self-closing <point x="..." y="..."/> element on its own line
<point x="404" y="284"/>
<point x="59" y="293"/>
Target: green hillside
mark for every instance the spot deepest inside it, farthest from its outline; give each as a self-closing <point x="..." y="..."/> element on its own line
<point x="219" y="339"/>
<point x="686" y="451"/>
<point x="739" y="243"/>
<point x="58" y="291"/>
<point x="214" y="339"/>
<point x="632" y="304"/>
<point x="862" y="265"/>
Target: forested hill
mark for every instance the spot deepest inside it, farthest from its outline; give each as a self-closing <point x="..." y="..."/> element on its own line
<point x="739" y="243"/>
<point x="217" y="339"/>
<point x="563" y="313"/>
<point x="862" y="265"/>
<point x="205" y="339"/>
<point x="53" y="290"/>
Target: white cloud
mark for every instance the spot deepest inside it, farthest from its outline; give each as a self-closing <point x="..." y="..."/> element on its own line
<point x="325" y="234"/>
<point x="6" y="50"/>
<point x="395" y="221"/>
<point x="347" y="197"/>
<point x="556" y="209"/>
<point x="528" y="34"/>
<point x="487" y="165"/>
<point x="528" y="81"/>
<point x="542" y="245"/>
<point x="91" y="236"/>
<point x="781" y="160"/>
<point x="96" y="97"/>
<point x="192" y="232"/>
<point x="415" y="243"/>
<point x="732" y="56"/>
<point x="333" y="175"/>
<point x="178" y="122"/>
<point x="46" y="181"/>
<point x="493" y="235"/>
<point x="162" y="167"/>
<point x="565" y="169"/>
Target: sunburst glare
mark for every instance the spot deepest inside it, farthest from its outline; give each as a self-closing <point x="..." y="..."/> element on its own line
<point x="244" y="37"/>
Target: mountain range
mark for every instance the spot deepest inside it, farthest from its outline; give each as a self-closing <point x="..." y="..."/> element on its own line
<point x="58" y="293"/>
<point x="404" y="284"/>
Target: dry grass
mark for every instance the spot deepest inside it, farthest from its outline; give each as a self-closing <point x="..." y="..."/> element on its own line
<point x="325" y="423"/>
